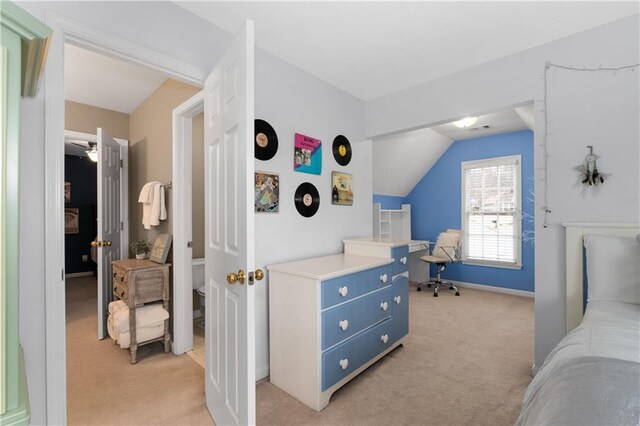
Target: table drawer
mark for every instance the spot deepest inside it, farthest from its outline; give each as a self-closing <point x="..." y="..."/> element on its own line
<point x="400" y="259"/>
<point x="120" y="290"/>
<point x="341" y="289"/>
<point x="344" y="359"/>
<point x="149" y="285"/>
<point x="344" y="321"/>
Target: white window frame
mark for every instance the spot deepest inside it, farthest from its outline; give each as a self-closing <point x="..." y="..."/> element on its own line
<point x="517" y="218"/>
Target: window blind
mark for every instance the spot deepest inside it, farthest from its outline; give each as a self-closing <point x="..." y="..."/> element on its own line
<point x="491" y="210"/>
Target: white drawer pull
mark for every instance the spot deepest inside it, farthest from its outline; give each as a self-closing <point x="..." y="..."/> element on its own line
<point x="383" y="278"/>
<point x="384" y="338"/>
<point x="343" y="291"/>
<point x="384" y="306"/>
<point x="344" y="324"/>
<point x="397" y="299"/>
<point x="403" y="260"/>
<point x="344" y="363"/>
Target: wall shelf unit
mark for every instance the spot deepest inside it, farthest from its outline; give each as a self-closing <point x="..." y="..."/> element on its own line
<point x="392" y="224"/>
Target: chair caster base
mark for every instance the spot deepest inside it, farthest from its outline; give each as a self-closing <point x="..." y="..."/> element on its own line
<point x="435" y="294"/>
<point x="429" y="285"/>
<point x="419" y="289"/>
<point x="457" y="293"/>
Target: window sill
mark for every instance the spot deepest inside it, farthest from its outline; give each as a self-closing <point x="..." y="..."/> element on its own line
<point x="490" y="264"/>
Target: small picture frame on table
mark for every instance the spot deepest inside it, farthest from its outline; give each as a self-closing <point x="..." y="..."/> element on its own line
<point x="160" y="249"/>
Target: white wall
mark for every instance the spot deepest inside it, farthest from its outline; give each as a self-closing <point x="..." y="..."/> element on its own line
<point x="172" y="31"/>
<point x="293" y="101"/>
<point x="405" y="159"/>
<point x="290" y="99"/>
<point x="596" y="120"/>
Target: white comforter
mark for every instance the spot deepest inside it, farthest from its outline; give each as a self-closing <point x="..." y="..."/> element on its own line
<point x="608" y="337"/>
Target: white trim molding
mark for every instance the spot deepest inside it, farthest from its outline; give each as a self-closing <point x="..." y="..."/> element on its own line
<point x="503" y="290"/>
<point x="69" y="31"/>
<point x="183" y="261"/>
<point x="79" y="274"/>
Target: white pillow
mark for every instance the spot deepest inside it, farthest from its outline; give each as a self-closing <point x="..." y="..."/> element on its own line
<point x="613" y="268"/>
<point x="446" y="245"/>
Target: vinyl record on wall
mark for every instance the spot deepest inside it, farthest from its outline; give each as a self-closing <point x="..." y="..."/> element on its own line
<point x="266" y="140"/>
<point x="307" y="199"/>
<point x="341" y="150"/>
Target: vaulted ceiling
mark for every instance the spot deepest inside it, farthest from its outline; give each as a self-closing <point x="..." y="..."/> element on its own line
<point x="371" y="49"/>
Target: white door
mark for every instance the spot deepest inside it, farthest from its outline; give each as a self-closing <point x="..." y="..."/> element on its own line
<point x="109" y="221"/>
<point x="229" y="230"/>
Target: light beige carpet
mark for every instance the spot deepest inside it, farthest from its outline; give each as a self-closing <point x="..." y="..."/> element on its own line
<point x="104" y="388"/>
<point x="466" y="362"/>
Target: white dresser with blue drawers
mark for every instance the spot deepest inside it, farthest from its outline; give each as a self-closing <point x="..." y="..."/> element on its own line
<point x="330" y="318"/>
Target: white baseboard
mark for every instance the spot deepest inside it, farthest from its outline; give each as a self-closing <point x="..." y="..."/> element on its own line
<point x="262" y="373"/>
<point x="78" y="274"/>
<point x="484" y="287"/>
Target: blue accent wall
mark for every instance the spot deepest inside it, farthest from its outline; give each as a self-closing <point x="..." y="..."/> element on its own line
<point x="436" y="205"/>
<point x="82" y="173"/>
<point x="389" y="201"/>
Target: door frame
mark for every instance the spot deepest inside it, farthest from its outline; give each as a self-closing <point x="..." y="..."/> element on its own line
<point x="124" y="182"/>
<point x="182" y="210"/>
<point x="69" y="31"/>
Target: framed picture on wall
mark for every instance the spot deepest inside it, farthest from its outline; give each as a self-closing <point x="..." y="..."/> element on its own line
<point x="67" y="192"/>
<point x="341" y="189"/>
<point x="71" y="221"/>
<point x="267" y="192"/>
<point x="160" y="249"/>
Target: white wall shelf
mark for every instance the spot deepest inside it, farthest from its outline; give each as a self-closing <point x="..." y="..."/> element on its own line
<point x="394" y="224"/>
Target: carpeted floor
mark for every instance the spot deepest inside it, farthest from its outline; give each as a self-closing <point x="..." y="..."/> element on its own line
<point x="466" y="362"/>
<point x="104" y="388"/>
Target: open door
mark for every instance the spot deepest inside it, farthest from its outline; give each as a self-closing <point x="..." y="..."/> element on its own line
<point x="109" y="221"/>
<point x="229" y="229"/>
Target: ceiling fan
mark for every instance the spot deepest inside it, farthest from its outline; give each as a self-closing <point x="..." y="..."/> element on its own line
<point x="90" y="148"/>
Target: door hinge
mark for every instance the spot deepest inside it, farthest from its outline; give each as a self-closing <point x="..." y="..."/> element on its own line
<point x="121" y="163"/>
<point x="189" y="244"/>
<point x="122" y="226"/>
<point x="62" y="275"/>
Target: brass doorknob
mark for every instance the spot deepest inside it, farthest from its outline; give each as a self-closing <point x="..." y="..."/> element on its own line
<point x="96" y="243"/>
<point x="107" y="243"/>
<point x="233" y="278"/>
<point x="259" y="274"/>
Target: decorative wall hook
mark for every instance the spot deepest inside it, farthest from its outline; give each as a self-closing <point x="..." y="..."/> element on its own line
<point x="589" y="173"/>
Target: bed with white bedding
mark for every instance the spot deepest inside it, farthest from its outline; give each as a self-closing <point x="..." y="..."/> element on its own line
<point x="592" y="377"/>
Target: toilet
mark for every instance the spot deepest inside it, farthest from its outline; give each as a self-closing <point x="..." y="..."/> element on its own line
<point x="201" y="294"/>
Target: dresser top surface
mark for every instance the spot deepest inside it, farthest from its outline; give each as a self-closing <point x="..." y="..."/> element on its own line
<point x="133" y="264"/>
<point x="327" y="267"/>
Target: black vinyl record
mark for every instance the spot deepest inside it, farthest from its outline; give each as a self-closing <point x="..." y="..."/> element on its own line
<point x="341" y="150"/>
<point x="266" y="140"/>
<point x="307" y="199"/>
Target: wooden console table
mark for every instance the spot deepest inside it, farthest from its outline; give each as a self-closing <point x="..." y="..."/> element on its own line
<point x="137" y="282"/>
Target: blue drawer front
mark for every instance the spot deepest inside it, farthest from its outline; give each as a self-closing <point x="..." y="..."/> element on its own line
<point x="357" y="351"/>
<point x="400" y="307"/>
<point x="356" y="284"/>
<point x="356" y="316"/>
<point x="399" y="254"/>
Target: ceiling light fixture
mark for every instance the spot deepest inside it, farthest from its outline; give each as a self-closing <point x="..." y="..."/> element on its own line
<point x="465" y="122"/>
<point x="93" y="154"/>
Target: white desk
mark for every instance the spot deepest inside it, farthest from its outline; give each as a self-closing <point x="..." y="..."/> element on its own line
<point x="418" y="270"/>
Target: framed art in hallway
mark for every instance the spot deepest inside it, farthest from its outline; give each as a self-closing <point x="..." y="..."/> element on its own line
<point x="71" y="221"/>
<point x="67" y="192"/>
